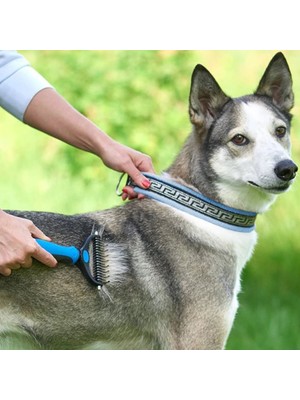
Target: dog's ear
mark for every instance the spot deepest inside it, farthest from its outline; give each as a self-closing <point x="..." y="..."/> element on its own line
<point x="206" y="97"/>
<point x="277" y="83"/>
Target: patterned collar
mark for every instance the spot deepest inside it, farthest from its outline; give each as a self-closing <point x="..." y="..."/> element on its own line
<point x="183" y="198"/>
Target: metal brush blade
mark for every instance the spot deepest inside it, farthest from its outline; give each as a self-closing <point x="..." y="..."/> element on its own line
<point x="94" y="259"/>
<point x="100" y="260"/>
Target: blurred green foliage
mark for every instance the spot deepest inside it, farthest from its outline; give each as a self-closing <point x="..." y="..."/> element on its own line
<point x="140" y="98"/>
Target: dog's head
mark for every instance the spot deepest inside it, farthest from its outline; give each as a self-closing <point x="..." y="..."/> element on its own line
<point x="246" y="139"/>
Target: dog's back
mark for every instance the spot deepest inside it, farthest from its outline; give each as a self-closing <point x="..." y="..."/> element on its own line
<point x="170" y="283"/>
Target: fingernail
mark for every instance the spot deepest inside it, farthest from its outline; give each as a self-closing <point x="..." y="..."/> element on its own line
<point x="146" y="183"/>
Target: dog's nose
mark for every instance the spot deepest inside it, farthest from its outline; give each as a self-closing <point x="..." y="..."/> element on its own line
<point x="286" y="170"/>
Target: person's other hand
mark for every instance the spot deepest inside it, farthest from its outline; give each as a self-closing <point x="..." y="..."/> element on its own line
<point x="124" y="159"/>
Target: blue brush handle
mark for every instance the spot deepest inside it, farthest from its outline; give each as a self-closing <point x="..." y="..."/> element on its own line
<point x="61" y="253"/>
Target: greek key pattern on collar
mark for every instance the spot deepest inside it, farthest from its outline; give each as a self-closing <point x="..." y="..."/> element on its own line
<point x="201" y="206"/>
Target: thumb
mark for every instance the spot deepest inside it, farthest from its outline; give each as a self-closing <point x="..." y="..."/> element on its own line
<point x="138" y="177"/>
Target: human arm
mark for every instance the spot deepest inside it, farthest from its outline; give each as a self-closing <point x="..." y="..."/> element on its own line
<point x="51" y="113"/>
<point x="29" y="97"/>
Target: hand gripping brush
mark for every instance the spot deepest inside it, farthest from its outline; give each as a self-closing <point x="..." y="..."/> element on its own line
<point x="91" y="258"/>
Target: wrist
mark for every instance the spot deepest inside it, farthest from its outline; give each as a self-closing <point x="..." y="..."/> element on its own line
<point x="100" y="142"/>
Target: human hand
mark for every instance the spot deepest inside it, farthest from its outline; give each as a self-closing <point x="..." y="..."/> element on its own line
<point x="124" y="159"/>
<point x="17" y="244"/>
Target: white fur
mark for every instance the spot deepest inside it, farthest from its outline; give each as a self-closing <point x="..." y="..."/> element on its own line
<point x="256" y="161"/>
<point x="10" y="321"/>
<point x="240" y="243"/>
<point x="117" y="263"/>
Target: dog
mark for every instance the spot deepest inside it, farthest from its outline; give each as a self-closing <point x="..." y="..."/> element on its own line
<point x="174" y="273"/>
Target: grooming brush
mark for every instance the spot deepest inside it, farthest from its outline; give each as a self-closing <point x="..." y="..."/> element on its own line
<point x="91" y="258"/>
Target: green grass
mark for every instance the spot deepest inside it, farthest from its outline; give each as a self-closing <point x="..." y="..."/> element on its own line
<point x="140" y="99"/>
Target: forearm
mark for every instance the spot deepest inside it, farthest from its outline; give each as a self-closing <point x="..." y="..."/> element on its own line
<point x="28" y="96"/>
<point x="50" y="113"/>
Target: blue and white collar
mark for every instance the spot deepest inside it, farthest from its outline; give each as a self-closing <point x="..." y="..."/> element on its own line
<point x="183" y="198"/>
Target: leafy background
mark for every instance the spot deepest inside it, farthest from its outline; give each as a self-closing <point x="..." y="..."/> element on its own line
<point x="140" y="99"/>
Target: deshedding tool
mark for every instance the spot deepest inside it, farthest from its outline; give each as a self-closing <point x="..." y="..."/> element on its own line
<point x="91" y="258"/>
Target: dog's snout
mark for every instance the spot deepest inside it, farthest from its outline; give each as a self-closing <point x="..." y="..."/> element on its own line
<point x="286" y="170"/>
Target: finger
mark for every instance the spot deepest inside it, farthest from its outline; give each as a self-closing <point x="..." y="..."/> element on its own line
<point x="129" y="191"/>
<point x="138" y="177"/>
<point x="5" y="271"/>
<point x="130" y="194"/>
<point x="44" y="257"/>
<point x="37" y="233"/>
<point x="124" y="196"/>
<point x="15" y="266"/>
<point x="27" y="263"/>
<point x="146" y="165"/>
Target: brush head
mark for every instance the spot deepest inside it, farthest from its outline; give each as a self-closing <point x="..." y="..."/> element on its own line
<point x="93" y="261"/>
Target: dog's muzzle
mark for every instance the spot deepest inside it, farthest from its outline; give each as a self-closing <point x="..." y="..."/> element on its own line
<point x="286" y="170"/>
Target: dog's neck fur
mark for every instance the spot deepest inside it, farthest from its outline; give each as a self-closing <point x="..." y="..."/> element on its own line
<point x="188" y="161"/>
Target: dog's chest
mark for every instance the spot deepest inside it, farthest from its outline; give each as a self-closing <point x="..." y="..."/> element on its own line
<point x="229" y="252"/>
<point x="238" y="243"/>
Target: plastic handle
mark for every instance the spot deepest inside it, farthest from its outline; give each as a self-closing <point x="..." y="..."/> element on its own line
<point x="61" y="253"/>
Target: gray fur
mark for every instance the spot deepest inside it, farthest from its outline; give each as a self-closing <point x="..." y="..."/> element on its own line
<point x="276" y="83"/>
<point x="175" y="281"/>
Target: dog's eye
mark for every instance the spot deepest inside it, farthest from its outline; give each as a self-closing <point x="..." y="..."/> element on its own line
<point x="240" y="140"/>
<point x="280" y="131"/>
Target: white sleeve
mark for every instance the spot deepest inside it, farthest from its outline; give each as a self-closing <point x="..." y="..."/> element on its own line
<point x="19" y="83"/>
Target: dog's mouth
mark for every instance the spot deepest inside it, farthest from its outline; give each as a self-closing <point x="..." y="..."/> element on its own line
<point x="273" y="189"/>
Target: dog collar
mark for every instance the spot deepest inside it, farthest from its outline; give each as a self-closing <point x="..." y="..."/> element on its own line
<point x="183" y="198"/>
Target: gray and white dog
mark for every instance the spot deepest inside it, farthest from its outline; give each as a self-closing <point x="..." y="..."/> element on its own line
<point x="174" y="276"/>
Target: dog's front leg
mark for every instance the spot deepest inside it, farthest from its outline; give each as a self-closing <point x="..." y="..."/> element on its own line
<point x="200" y="334"/>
